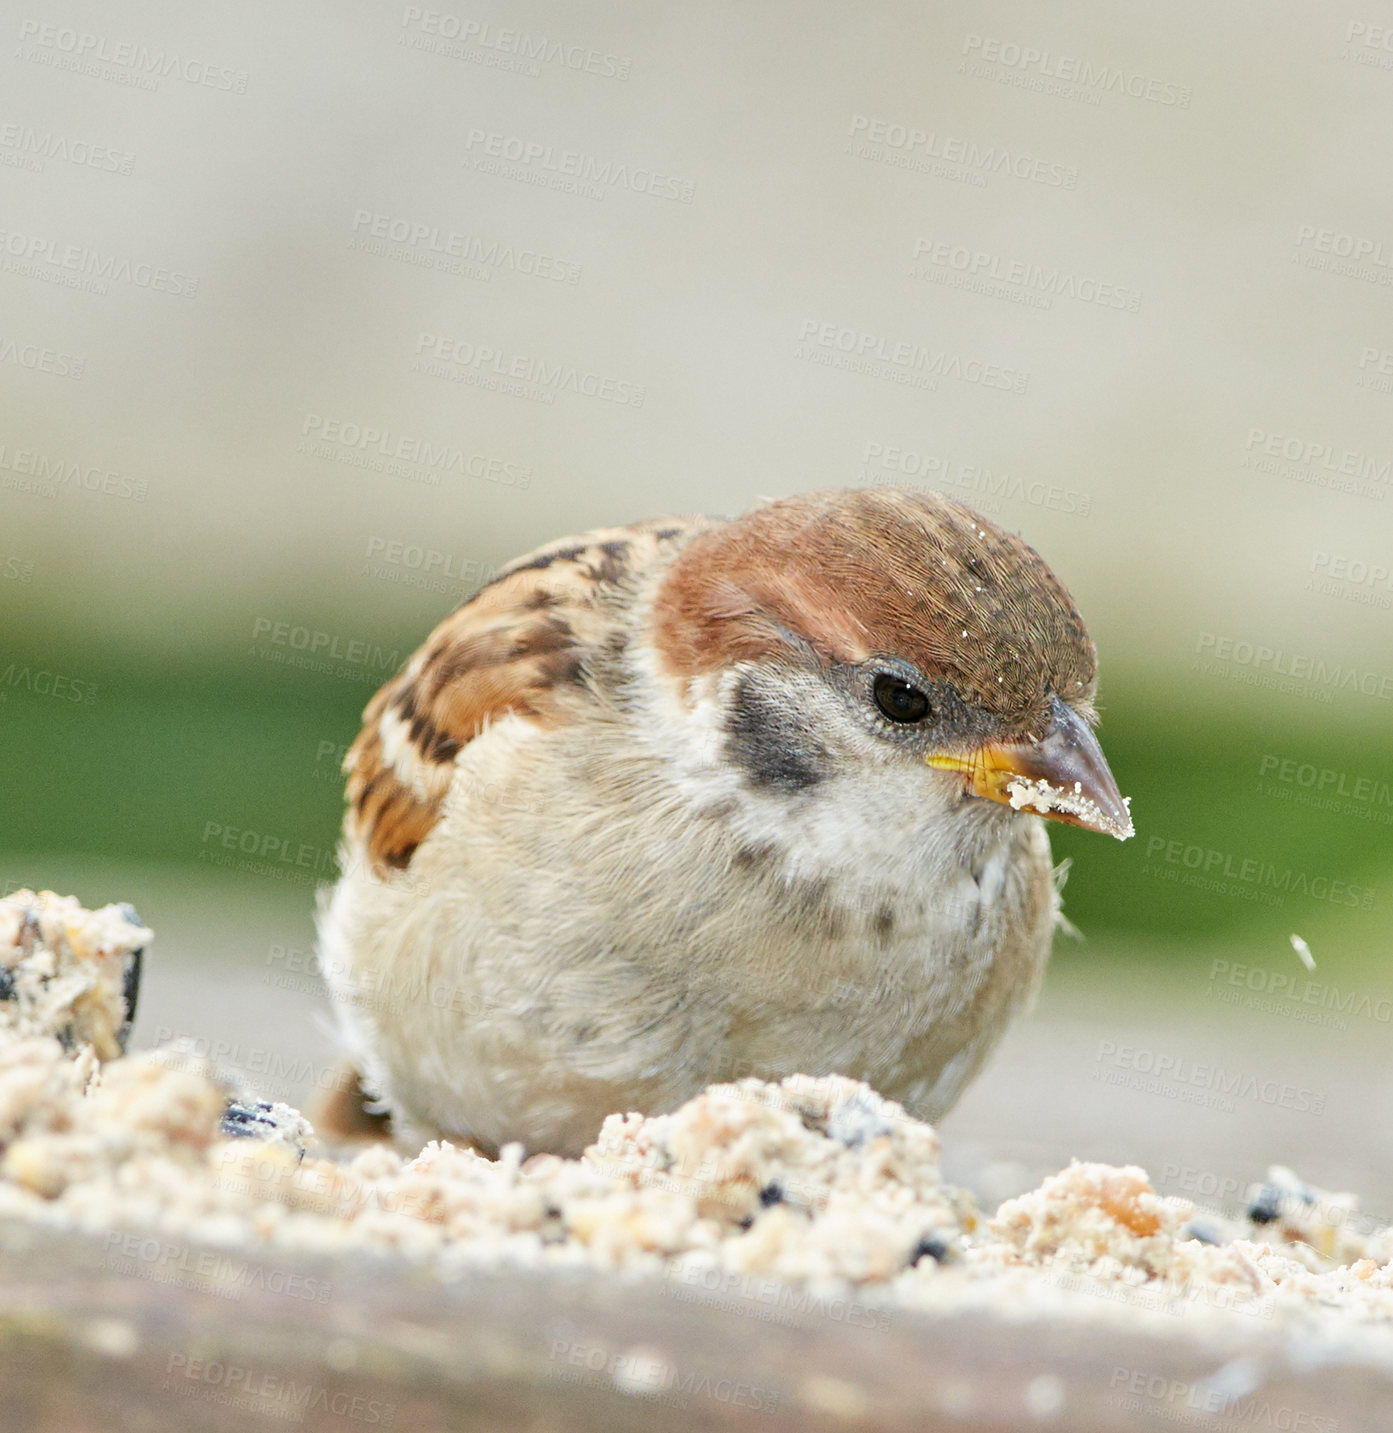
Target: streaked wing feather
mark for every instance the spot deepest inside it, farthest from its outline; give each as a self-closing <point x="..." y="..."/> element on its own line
<point x="519" y="645"/>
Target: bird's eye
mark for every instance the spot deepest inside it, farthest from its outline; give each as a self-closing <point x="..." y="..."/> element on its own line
<point x="899" y="700"/>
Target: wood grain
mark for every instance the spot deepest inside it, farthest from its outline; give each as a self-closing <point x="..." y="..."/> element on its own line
<point x="352" y="1341"/>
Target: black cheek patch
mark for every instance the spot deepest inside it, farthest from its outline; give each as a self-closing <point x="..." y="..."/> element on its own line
<point x="767" y="742"/>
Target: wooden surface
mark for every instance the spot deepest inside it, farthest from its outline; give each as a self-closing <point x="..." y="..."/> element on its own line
<point x="105" y="1335"/>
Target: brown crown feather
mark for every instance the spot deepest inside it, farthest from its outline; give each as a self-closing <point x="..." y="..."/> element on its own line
<point x="888" y="572"/>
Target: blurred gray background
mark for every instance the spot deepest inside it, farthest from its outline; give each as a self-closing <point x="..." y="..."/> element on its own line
<point x="309" y="317"/>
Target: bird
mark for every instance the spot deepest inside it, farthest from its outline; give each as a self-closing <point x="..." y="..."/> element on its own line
<point x="701" y="799"/>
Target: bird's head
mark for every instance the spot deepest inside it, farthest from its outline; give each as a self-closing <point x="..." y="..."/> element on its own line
<point x="888" y="631"/>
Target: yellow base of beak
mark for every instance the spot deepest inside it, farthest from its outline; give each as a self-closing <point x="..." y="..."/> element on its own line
<point x="1064" y="776"/>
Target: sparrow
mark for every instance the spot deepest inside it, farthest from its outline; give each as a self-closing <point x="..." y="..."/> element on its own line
<point x="698" y="799"/>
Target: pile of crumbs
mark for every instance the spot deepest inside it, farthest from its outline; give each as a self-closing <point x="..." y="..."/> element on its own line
<point x="815" y="1182"/>
<point x="69" y="972"/>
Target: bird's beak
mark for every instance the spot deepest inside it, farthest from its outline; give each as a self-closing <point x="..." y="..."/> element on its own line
<point x="1063" y="776"/>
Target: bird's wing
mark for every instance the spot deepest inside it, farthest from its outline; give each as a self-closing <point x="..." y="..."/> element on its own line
<point x="520" y="645"/>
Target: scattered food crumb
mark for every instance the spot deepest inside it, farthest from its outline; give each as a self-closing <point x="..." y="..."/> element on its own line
<point x="1303" y="952"/>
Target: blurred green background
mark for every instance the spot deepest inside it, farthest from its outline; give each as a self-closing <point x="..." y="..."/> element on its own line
<point x="172" y="744"/>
